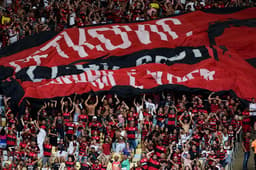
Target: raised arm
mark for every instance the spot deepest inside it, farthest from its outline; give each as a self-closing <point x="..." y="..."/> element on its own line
<point x="181" y="120"/>
<point x="36" y="124"/>
<point x="73" y="108"/>
<point x="134" y="102"/>
<point x="70" y="100"/>
<point x="125" y="105"/>
<point x="62" y="105"/>
<point x="74" y="99"/>
<point x="148" y="154"/>
<point x="210" y="97"/>
<point x="55" y="103"/>
<point x="6" y="99"/>
<point x="144" y="98"/>
<point x="86" y="101"/>
<point x="191" y="118"/>
<point x="117" y="100"/>
<point x="208" y="117"/>
<point x="143" y="5"/>
<point x="97" y="101"/>
<point x="22" y="121"/>
<point x="218" y="99"/>
<point x="103" y="98"/>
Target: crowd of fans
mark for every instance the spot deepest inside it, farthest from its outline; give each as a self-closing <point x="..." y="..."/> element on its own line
<point x="22" y="18"/>
<point x="168" y="131"/>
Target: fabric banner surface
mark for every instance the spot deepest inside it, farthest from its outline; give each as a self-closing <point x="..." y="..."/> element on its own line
<point x="196" y="50"/>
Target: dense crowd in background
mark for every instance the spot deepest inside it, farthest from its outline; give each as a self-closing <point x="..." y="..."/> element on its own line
<point x="22" y="18"/>
<point x="169" y="130"/>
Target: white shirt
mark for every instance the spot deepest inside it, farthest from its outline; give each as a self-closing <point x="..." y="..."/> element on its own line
<point x="252" y="108"/>
<point x="13" y="36"/>
<point x="46" y="4"/>
<point x="72" y="18"/>
<point x="41" y="136"/>
<point x="191" y="4"/>
<point x="40" y="140"/>
<point x="62" y="154"/>
<point x="71" y="147"/>
<point x="96" y="147"/>
<point x="8" y="2"/>
<point x="151" y="107"/>
<point x="139" y="110"/>
<point x="120" y="147"/>
<point x="183" y="1"/>
<point x="183" y="139"/>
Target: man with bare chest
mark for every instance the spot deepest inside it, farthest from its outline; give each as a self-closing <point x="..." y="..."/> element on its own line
<point x="91" y="106"/>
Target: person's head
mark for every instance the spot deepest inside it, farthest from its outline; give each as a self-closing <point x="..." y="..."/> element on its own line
<point x="198" y="163"/>
<point x="70" y="158"/>
<point x="93" y="149"/>
<point x="157" y="128"/>
<point x="206" y="131"/>
<point x="225" y="131"/>
<point x="94" y="118"/>
<point x="220" y="128"/>
<point x="175" y="158"/>
<point x="163" y="156"/>
<point x="66" y="103"/>
<point x="160" y="110"/>
<point x="230" y="127"/>
<point x="11" y="132"/>
<point x="193" y="147"/>
<point x="46" y="141"/>
<point x="154" y="157"/>
<point x="132" y="123"/>
<point x="116" y="158"/>
<point x="226" y="143"/>
<point x="105" y="102"/>
<point x="149" y="100"/>
<point x="95" y="133"/>
<point x="110" y="100"/>
<point x="185" y="120"/>
<point x="224" y="117"/>
<point x="248" y="134"/>
<point x="125" y="157"/>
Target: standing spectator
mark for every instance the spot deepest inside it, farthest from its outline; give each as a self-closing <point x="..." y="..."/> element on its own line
<point x="246" y="148"/>
<point x="252" y="109"/>
<point x="254" y="150"/>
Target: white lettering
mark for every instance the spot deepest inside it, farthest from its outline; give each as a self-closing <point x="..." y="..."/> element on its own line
<point x="36" y="58"/>
<point x="79" y="78"/>
<point x="132" y="79"/>
<point x="54" y="44"/>
<point x="157" y="76"/>
<point x="79" y="48"/>
<point x="106" y="79"/>
<point x="143" y="60"/>
<point x="190" y="75"/>
<point x="208" y="75"/>
<point x="109" y="46"/>
<point x="143" y="35"/>
<point x="197" y="53"/>
<point x="166" y="27"/>
<point x="31" y="74"/>
<point x="66" y="79"/>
